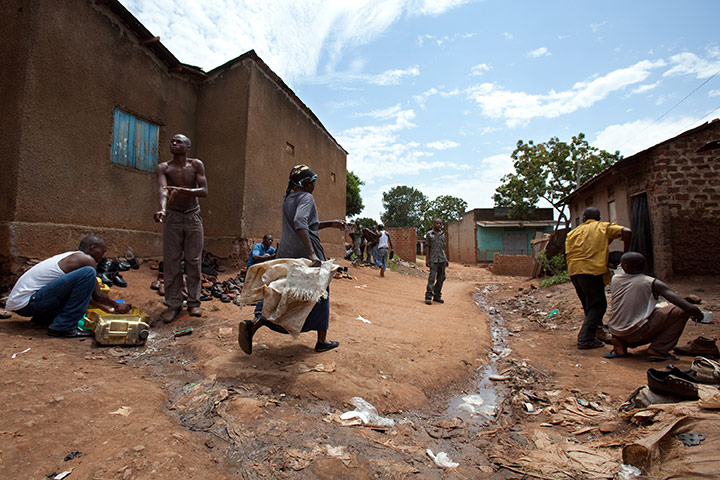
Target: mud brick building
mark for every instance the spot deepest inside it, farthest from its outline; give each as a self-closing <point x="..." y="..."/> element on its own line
<point x="404" y="239"/>
<point x="669" y="195"/>
<point x="90" y="99"/>
<point x="484" y="232"/>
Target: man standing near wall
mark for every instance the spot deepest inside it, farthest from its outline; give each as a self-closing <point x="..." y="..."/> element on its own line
<point x="436" y="260"/>
<point x="586" y="253"/>
<point x="384" y="245"/>
<point x="180" y="182"/>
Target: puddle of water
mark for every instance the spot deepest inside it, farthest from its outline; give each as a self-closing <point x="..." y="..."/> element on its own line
<point x="481" y="405"/>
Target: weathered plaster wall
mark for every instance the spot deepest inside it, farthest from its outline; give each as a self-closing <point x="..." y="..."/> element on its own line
<point x="404" y="240"/>
<point x="281" y="135"/>
<point x="80" y="64"/>
<point x="461" y="239"/>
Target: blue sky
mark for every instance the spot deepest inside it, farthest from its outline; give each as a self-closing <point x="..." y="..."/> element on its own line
<point x="435" y="94"/>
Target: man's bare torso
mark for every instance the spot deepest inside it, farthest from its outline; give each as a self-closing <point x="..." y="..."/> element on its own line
<point x="182" y="176"/>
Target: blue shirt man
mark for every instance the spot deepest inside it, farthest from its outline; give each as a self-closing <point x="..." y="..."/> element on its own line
<point x="262" y="252"/>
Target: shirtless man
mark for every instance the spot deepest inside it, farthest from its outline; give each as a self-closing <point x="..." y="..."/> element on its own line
<point x="180" y="182"/>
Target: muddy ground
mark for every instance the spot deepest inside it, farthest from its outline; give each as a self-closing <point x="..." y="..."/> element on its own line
<point x="197" y="407"/>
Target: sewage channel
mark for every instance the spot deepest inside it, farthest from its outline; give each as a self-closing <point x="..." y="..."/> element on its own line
<point x="481" y="404"/>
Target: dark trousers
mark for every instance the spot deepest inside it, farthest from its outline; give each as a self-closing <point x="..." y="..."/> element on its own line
<point x="591" y="291"/>
<point x="62" y="303"/>
<point x="317" y="319"/>
<point x="436" y="278"/>
<point x="182" y="240"/>
<point x="662" y="330"/>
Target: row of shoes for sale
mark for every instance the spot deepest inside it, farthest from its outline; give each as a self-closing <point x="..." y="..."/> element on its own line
<point x="226" y="290"/>
<point x="109" y="270"/>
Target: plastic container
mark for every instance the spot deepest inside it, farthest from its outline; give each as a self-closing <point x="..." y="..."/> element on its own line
<point x="118" y="329"/>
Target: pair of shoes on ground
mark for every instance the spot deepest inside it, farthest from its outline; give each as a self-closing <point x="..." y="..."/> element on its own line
<point x="171" y="314"/>
<point x="701" y="346"/>
<point x="672" y="381"/>
<point x="246" y="332"/>
<point x="428" y="301"/>
<point x="72" y="333"/>
<point x="594" y="343"/>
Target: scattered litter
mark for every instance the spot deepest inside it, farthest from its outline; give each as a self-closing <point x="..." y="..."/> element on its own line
<point x="552" y="313"/>
<point x="441" y="459"/>
<point x="690" y="439"/>
<point x="62" y="475"/>
<point x="367" y="414"/>
<point x="183" y="331"/>
<point x="19" y="353"/>
<point x="72" y="455"/>
<point x="474" y="400"/>
<point x="124" y="411"/>
<point x="360" y="286"/>
<point x="364" y="320"/>
<point x="302" y="368"/>
<point x="498" y="378"/>
<point x="529" y="407"/>
<point x="627" y="472"/>
<point x="225" y="331"/>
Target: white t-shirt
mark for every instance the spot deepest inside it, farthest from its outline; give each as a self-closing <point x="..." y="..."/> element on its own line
<point x="35" y="279"/>
<point x="383" y="240"/>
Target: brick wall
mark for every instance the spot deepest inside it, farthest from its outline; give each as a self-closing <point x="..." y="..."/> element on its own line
<point x="685" y="204"/>
<point x="519" y="265"/>
<point x="403" y="240"/>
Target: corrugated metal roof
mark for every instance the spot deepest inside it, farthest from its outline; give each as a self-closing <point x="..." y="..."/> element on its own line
<point x="516" y="223"/>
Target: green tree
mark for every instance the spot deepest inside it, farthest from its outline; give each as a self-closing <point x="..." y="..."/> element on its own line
<point x="404" y="207"/>
<point x="549" y="171"/>
<point x="353" y="202"/>
<point x="366" y="222"/>
<point x="445" y="207"/>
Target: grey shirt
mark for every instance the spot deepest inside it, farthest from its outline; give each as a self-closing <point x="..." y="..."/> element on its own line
<point x="436" y="243"/>
<point x="299" y="213"/>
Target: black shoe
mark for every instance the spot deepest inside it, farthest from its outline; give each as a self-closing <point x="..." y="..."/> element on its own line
<point x="107" y="278"/>
<point x="428" y="301"/>
<point x="438" y="300"/>
<point x="594" y="343"/>
<point x="106" y="266"/>
<point x="325" y="346"/>
<point x="75" y="332"/>
<point x="119" y="281"/>
<point x="667" y="382"/>
<point x="122" y="266"/>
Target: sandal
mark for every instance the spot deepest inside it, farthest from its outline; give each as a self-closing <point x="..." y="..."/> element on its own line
<point x="325" y="346"/>
<point x="245" y="336"/>
<point x="612" y="354"/>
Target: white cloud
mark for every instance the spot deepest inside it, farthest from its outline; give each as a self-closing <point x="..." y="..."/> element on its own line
<point x="646" y="87"/>
<point x="714" y="93"/>
<point x="508" y="35"/>
<point x="633" y="137"/>
<point x="393" y="77"/>
<point x="596" y="26"/>
<point x="420" y="99"/>
<point x="445" y="39"/>
<point x="291" y="37"/>
<point x="479" y="69"/>
<point x="690" y="64"/>
<point x="442" y="144"/>
<point x="518" y="108"/>
<point x="538" y="52"/>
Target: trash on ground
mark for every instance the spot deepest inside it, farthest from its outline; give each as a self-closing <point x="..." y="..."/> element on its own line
<point x="364" y="320"/>
<point x="62" y="475"/>
<point x="19" y="353"/>
<point x="124" y="411"/>
<point x="183" y="331"/>
<point x="628" y="472"/>
<point x="72" y="455"/>
<point x="361" y="286"/>
<point x="302" y="368"/>
<point x="441" y="459"/>
<point x="366" y="413"/>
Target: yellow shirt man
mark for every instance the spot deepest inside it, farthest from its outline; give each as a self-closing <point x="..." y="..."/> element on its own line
<point x="586" y="247"/>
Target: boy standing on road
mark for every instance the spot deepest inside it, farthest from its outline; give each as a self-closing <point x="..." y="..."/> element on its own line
<point x="436" y="260"/>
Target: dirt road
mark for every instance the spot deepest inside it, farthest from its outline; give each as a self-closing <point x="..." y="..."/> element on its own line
<point x="198" y="407"/>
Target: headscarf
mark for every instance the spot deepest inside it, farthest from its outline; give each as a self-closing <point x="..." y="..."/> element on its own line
<point x="299" y="176"/>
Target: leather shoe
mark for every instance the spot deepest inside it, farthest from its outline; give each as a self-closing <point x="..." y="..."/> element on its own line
<point x="169" y="315"/>
<point x="121" y="265"/>
<point x="73" y="333"/>
<point x="107" y="278"/>
<point x="673" y="382"/>
<point x="119" y="281"/>
<point x="195" y="311"/>
<point x="428" y="301"/>
<point x="438" y="300"/>
<point x="594" y="343"/>
<point x="701" y="346"/>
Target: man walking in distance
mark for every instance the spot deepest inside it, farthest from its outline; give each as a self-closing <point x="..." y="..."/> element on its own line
<point x="384" y="245"/>
<point x="180" y="182"/>
<point x="436" y="260"/>
<point x="586" y="253"/>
